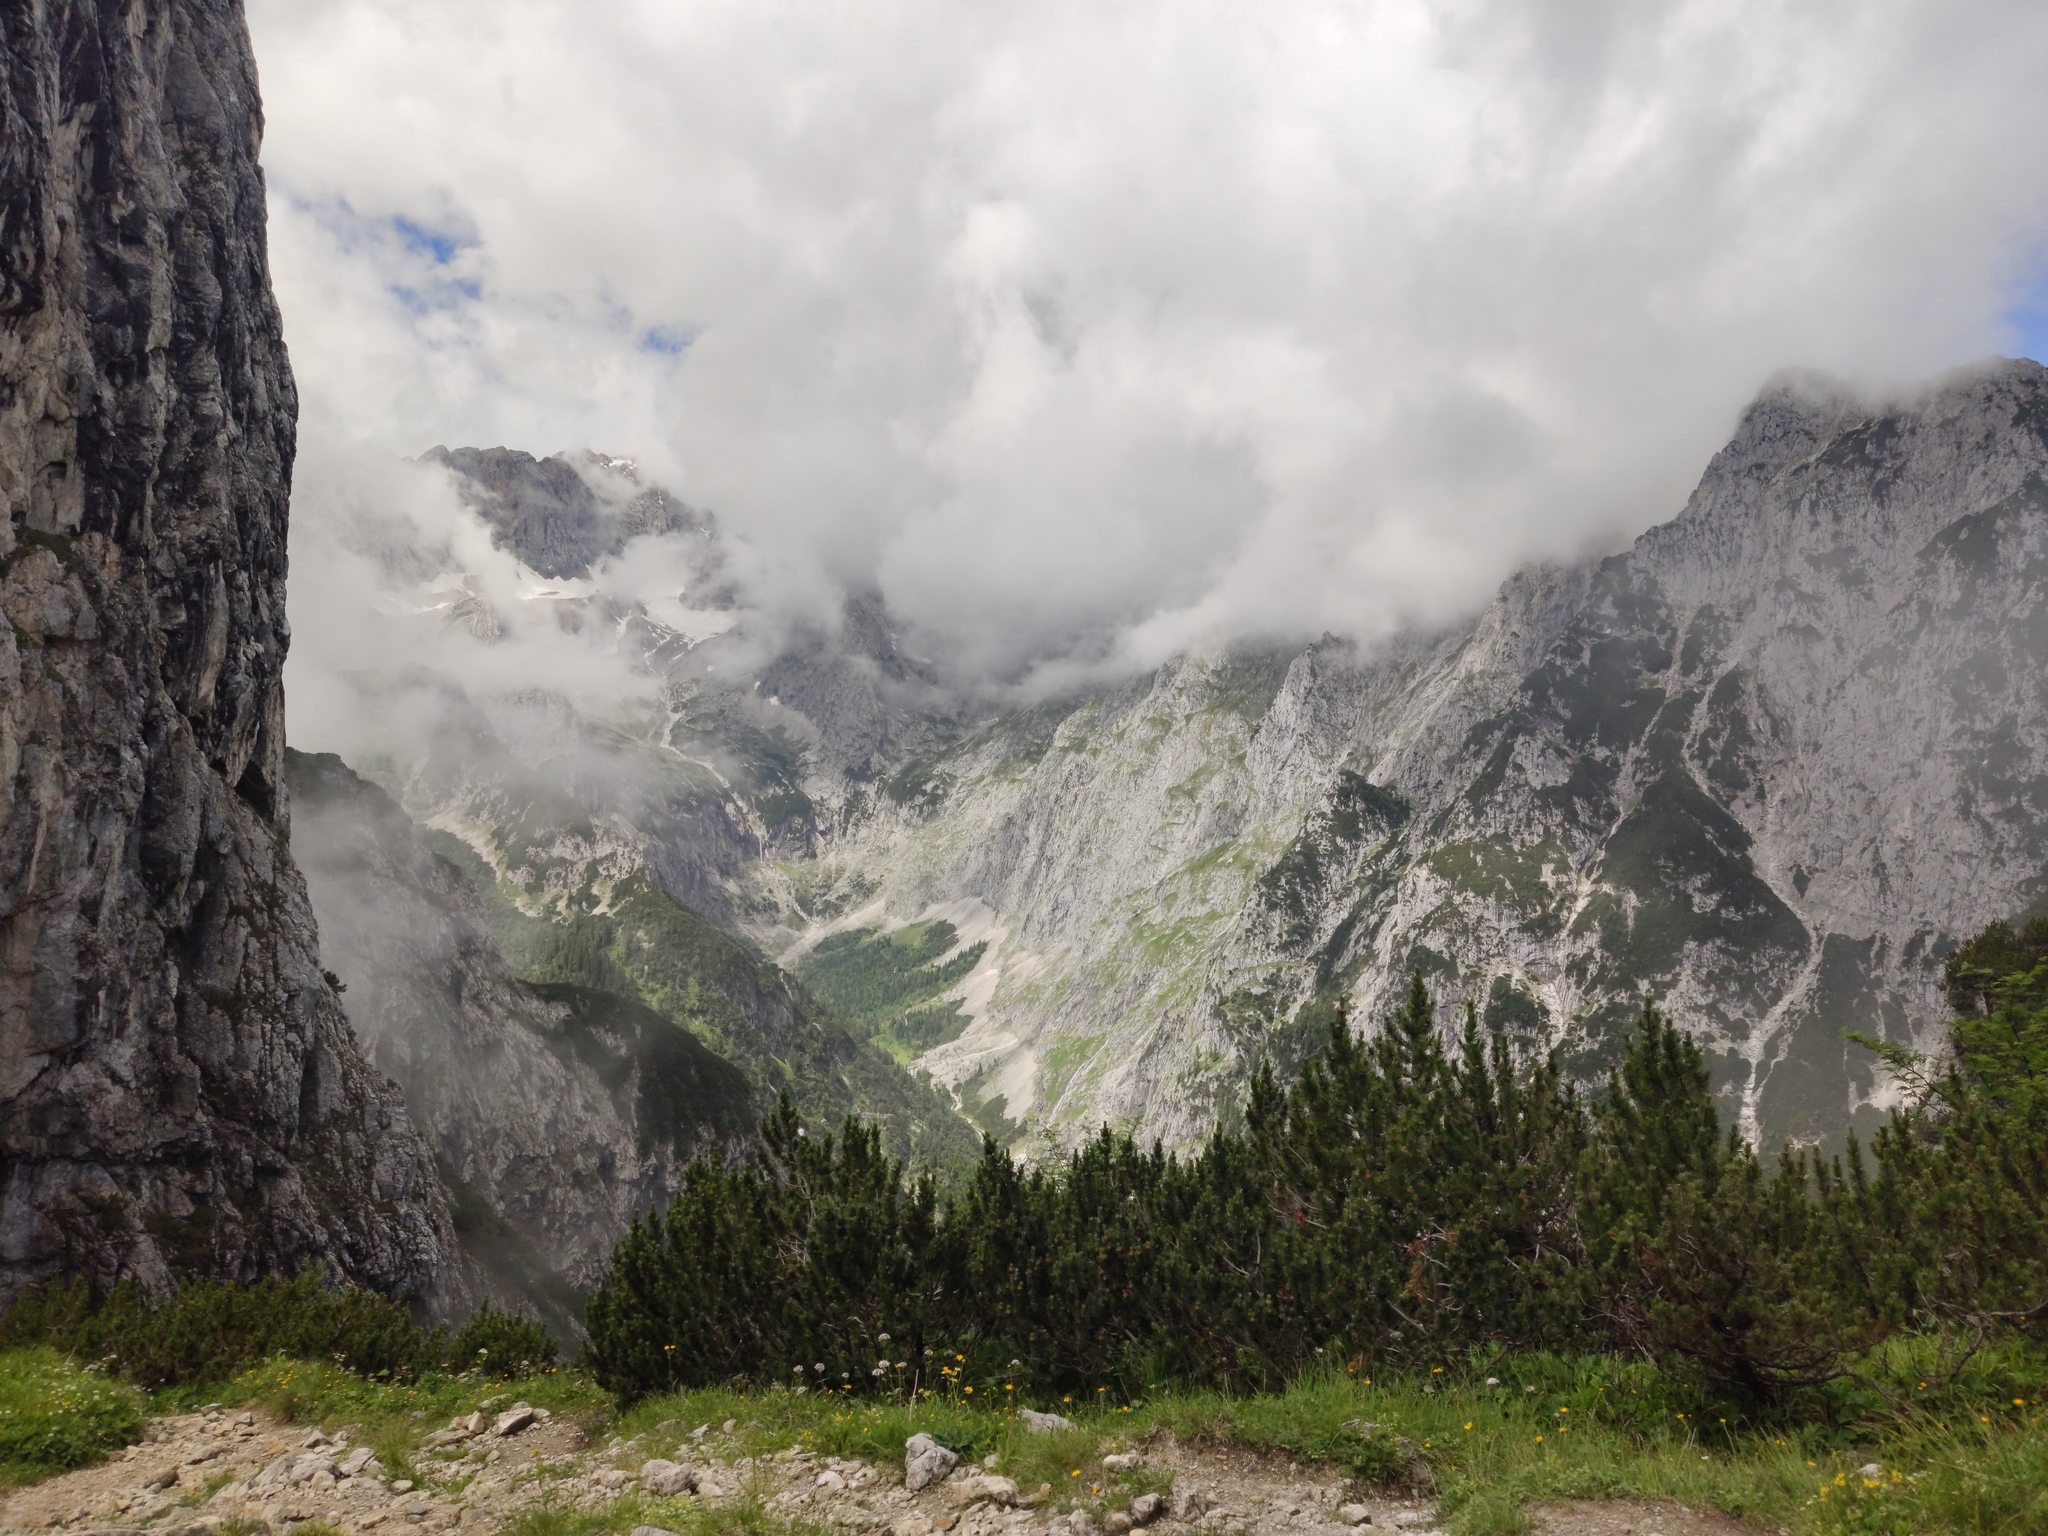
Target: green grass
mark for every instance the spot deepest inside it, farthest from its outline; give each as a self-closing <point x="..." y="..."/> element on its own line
<point x="746" y="1516"/>
<point x="1967" y="1460"/>
<point x="1067" y="1464"/>
<point x="55" y="1415"/>
<point x="309" y="1392"/>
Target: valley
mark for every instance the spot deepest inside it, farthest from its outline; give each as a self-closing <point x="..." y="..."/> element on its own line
<point x="1765" y="767"/>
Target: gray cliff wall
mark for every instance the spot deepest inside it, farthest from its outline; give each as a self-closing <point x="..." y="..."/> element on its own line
<point x="180" y="1091"/>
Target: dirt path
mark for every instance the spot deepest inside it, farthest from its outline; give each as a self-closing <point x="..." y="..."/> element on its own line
<point x="238" y="1473"/>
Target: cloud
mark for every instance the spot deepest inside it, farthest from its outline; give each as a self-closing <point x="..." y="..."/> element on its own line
<point x="398" y="592"/>
<point x="1091" y="329"/>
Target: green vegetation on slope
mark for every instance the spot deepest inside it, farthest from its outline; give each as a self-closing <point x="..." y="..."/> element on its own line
<point x="644" y="944"/>
<point x="886" y="984"/>
<point x="207" y="1331"/>
<point x="55" y="1415"/>
<point x="1957" y="1436"/>
<point x="686" y="1091"/>
<point x="303" y="1348"/>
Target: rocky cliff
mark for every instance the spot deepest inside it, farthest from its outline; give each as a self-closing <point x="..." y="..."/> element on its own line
<point x="1766" y="767"/>
<point x="555" y="1112"/>
<point x="179" y="1088"/>
<point x="563" y="513"/>
<point x="585" y="841"/>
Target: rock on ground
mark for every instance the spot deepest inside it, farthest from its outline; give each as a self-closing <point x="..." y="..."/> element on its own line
<point x="198" y="1474"/>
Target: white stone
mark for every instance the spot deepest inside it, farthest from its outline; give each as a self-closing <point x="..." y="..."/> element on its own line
<point x="925" y="1462"/>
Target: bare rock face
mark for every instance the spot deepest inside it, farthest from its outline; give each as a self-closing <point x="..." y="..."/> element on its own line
<point x="555" y="1113"/>
<point x="550" y="513"/>
<point x="1766" y="767"/>
<point x="179" y="1088"/>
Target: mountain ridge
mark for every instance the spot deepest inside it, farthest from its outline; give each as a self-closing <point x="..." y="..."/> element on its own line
<point x="1541" y="749"/>
<point x="1687" y="770"/>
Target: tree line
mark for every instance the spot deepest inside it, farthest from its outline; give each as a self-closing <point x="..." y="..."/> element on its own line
<point x="1404" y="1202"/>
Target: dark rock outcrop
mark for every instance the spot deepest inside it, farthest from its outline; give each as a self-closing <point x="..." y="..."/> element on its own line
<point x="548" y="511"/>
<point x="180" y="1091"/>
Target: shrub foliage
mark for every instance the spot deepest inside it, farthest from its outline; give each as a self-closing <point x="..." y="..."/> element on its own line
<point x="208" y="1332"/>
<point x="1406" y="1199"/>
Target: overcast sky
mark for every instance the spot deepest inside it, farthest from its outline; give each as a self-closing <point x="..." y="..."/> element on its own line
<point x="1121" y="325"/>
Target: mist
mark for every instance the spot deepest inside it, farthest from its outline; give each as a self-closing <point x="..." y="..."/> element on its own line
<point x="1086" y="333"/>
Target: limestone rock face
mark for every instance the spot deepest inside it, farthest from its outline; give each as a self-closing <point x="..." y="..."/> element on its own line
<point x="555" y="1113"/>
<point x="179" y="1088"/>
<point x="1764" y="767"/>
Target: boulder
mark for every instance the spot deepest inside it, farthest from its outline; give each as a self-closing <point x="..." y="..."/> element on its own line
<point x="512" y="1421"/>
<point x="667" y="1479"/>
<point x="925" y="1462"/>
<point x="980" y="1488"/>
<point x="1354" y="1514"/>
<point x="1146" y="1508"/>
<point x="1122" y="1461"/>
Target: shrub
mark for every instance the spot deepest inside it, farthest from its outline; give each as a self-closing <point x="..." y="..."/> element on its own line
<point x="55" y="1415"/>
<point x="503" y="1343"/>
<point x="207" y="1332"/>
<point x="1404" y="1202"/>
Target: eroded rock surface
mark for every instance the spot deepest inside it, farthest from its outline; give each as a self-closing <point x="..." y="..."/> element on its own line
<point x="1766" y="766"/>
<point x="179" y="1088"/>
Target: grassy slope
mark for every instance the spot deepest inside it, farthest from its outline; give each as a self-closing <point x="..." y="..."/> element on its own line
<point x="55" y="1415"/>
<point x="885" y="984"/>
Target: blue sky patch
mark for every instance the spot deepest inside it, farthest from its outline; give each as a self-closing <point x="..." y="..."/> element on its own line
<point x="669" y="340"/>
<point x="438" y="244"/>
<point x="2033" y="328"/>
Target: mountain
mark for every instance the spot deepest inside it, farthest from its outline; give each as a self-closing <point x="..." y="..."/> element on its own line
<point x="555" y="1113"/>
<point x="1766" y="768"/>
<point x="182" y="1093"/>
<point x="586" y="844"/>
<point x="564" y="512"/>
